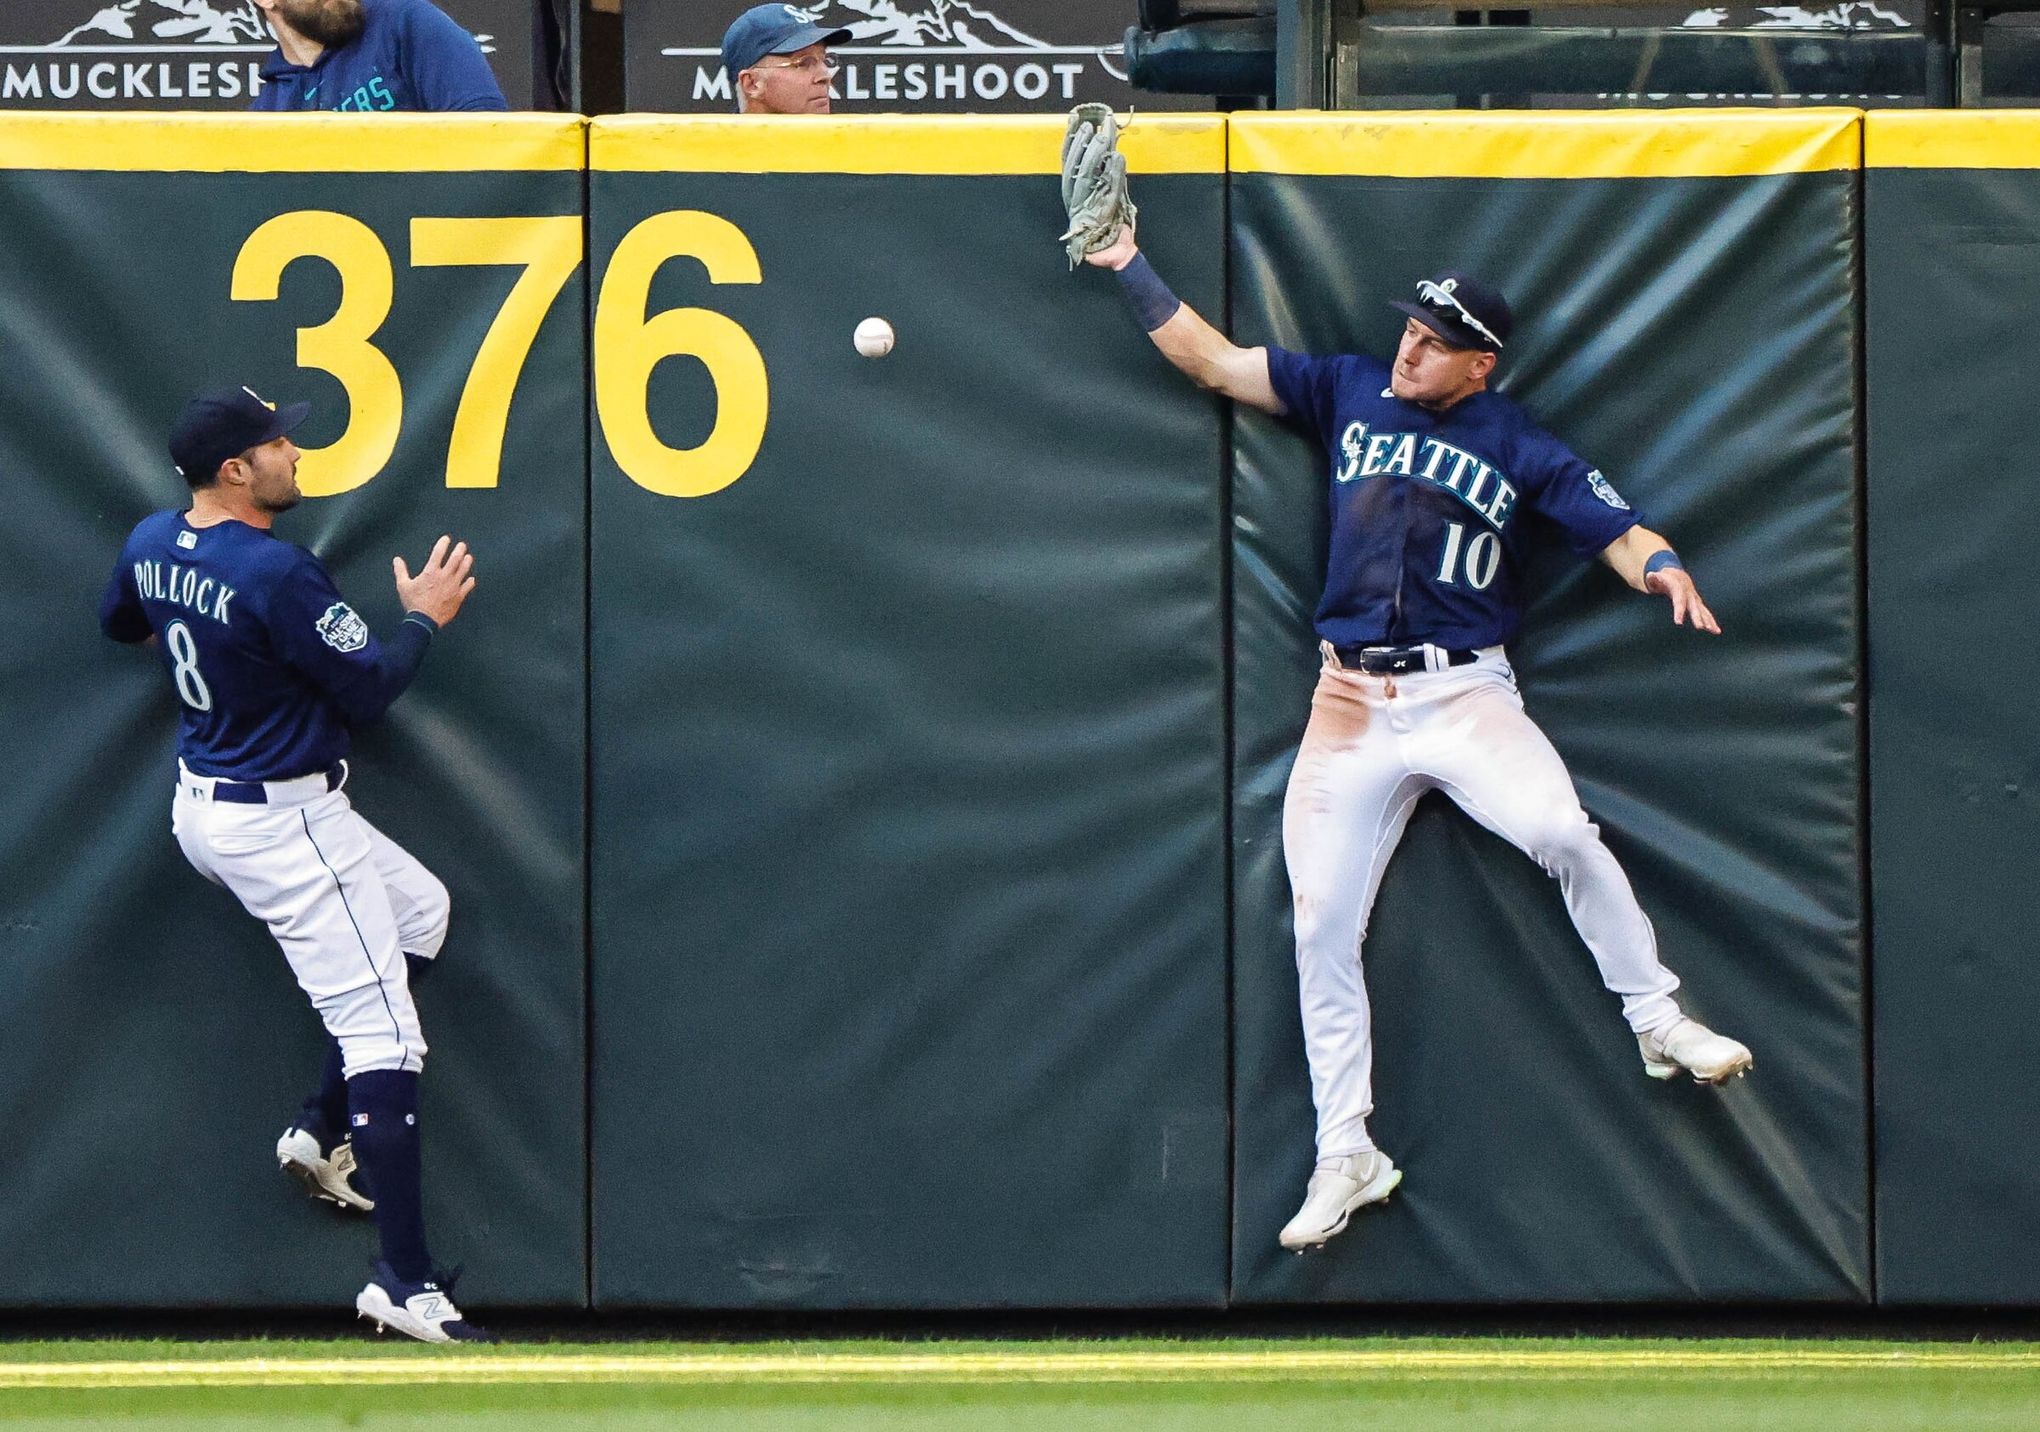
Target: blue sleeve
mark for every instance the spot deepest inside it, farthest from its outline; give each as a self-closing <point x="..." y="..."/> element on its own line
<point x="446" y="67"/>
<point x="1306" y="386"/>
<point x="120" y="606"/>
<point x="396" y="663"/>
<point x="1583" y="503"/>
<point x="315" y="630"/>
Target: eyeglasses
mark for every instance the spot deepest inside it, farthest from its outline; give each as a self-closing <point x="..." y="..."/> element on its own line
<point x="1437" y="296"/>
<point x="812" y="65"/>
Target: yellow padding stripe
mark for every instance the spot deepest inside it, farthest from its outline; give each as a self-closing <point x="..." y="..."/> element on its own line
<point x="1604" y="144"/>
<point x="889" y="144"/>
<point x="1160" y="1365"/>
<point x="293" y="143"/>
<point x="1952" y="139"/>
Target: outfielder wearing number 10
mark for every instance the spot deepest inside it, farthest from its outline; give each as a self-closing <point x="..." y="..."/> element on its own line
<point x="272" y="668"/>
<point x="1432" y="476"/>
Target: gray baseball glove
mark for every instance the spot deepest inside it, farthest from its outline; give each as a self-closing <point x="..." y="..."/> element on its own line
<point x="1093" y="181"/>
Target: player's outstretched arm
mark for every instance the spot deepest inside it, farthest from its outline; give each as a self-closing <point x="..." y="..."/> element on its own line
<point x="442" y="583"/>
<point x="1647" y="562"/>
<point x="1206" y="356"/>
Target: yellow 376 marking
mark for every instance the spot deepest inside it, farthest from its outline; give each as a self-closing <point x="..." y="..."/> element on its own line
<point x="1160" y="1365"/>
<point x="629" y="345"/>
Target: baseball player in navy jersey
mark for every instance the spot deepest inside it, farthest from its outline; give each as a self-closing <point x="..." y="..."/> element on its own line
<point x="272" y="669"/>
<point x="1432" y="474"/>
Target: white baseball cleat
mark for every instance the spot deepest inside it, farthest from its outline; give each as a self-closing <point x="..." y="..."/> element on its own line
<point x="424" y="1311"/>
<point x="327" y="1177"/>
<point x="1338" y="1186"/>
<point x="1688" y="1044"/>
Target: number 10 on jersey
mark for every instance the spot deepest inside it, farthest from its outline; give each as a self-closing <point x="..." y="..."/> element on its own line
<point x="1475" y="561"/>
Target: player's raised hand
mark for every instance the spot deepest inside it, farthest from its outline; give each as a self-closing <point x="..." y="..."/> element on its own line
<point x="1117" y="254"/>
<point x="1674" y="582"/>
<point x="441" y="585"/>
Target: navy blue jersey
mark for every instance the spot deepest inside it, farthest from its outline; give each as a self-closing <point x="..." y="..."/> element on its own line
<point x="270" y="664"/>
<point x="410" y="55"/>
<point x="1428" y="529"/>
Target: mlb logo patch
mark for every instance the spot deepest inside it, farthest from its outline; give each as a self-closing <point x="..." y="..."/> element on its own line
<point x="187" y="540"/>
<point x="360" y="1121"/>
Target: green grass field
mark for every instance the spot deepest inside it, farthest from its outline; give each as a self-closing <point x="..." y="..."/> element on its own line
<point x="1395" y="1385"/>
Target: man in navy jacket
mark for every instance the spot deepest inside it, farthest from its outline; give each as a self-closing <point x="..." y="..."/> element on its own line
<point x="368" y="55"/>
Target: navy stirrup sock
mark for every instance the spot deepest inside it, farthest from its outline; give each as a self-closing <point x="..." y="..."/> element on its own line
<point x="384" y="1123"/>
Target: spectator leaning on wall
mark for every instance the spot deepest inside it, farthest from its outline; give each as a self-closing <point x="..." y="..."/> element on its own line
<point x="778" y="61"/>
<point x="367" y="55"/>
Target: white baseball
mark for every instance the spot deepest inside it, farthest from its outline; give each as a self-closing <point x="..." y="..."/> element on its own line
<point x="874" y="338"/>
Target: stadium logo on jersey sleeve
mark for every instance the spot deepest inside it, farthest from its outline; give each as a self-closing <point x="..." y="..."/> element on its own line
<point x="1605" y="490"/>
<point x="341" y="629"/>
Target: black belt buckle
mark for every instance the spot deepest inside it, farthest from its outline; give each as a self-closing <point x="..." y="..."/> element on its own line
<point x="1383" y="660"/>
<point x="1396" y="660"/>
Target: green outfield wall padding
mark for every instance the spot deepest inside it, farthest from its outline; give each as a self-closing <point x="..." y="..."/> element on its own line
<point x="908" y="855"/>
<point x="1693" y="335"/>
<point x="1952" y="495"/>
<point x="154" y="1042"/>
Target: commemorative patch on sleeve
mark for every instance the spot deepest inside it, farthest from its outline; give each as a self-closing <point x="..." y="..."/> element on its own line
<point x="1605" y="490"/>
<point x="341" y="629"/>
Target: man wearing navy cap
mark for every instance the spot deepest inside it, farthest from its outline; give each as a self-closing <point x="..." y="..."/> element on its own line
<point x="273" y="670"/>
<point x="1433" y="477"/>
<point x="778" y="61"/>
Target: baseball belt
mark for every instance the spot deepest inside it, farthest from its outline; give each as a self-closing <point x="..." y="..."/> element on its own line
<point x="257" y="792"/>
<point x="1398" y="660"/>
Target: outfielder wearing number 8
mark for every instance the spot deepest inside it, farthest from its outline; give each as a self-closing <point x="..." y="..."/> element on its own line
<point x="1431" y="473"/>
<point x="274" y="669"/>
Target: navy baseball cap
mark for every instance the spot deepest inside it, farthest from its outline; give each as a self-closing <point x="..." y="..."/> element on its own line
<point x="771" y="30"/>
<point x="216" y="426"/>
<point x="1461" y="310"/>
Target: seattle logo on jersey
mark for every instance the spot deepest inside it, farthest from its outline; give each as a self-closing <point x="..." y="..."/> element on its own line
<point x="341" y="629"/>
<point x="1479" y="485"/>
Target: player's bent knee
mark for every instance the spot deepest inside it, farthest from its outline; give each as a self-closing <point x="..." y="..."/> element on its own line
<point x="1325" y="927"/>
<point x="435" y="911"/>
<point x="1560" y="842"/>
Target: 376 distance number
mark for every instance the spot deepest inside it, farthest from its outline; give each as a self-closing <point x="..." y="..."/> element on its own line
<point x="628" y="345"/>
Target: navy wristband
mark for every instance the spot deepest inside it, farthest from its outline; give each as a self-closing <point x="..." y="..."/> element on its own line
<point x="1661" y="560"/>
<point x="431" y="626"/>
<point x="1153" y="304"/>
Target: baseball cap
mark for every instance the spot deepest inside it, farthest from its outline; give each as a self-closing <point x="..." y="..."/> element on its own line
<point x="218" y="425"/>
<point x="771" y="30"/>
<point x="1461" y="310"/>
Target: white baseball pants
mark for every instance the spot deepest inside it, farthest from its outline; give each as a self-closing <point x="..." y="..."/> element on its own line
<point x="1374" y="745"/>
<point x="343" y="900"/>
